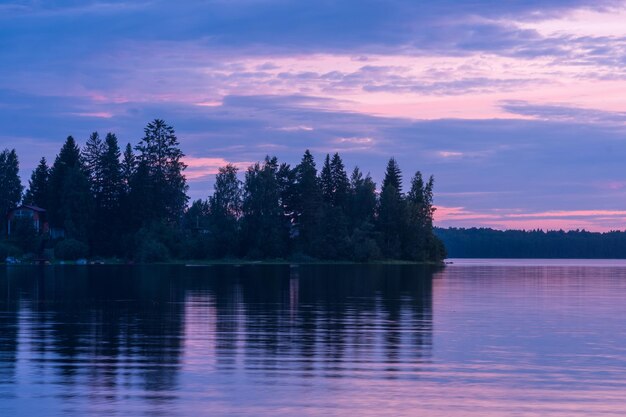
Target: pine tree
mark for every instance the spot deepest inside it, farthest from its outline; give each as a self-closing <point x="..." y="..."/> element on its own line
<point x="341" y="183"/>
<point x="265" y="231"/>
<point x="333" y="229"/>
<point x="69" y="198"/>
<point x="391" y="212"/>
<point x="420" y="243"/>
<point x="37" y="193"/>
<point x="326" y="182"/>
<point x="308" y="207"/>
<point x="362" y="201"/>
<point x="225" y="207"/>
<point x="129" y="165"/>
<point x="161" y="159"/>
<point x="91" y="154"/>
<point x="10" y="183"/>
<point x="107" y="220"/>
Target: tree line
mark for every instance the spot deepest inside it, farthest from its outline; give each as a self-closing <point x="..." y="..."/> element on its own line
<point x="491" y="243"/>
<point x="133" y="204"/>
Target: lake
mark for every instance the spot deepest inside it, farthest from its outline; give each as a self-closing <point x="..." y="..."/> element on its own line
<point x="476" y="338"/>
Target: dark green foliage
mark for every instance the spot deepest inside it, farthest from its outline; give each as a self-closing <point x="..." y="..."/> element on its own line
<point x="107" y="221"/>
<point x="163" y="192"/>
<point x="361" y="200"/>
<point x="10" y="184"/>
<point x="363" y="244"/>
<point x="151" y="250"/>
<point x="37" y="193"/>
<point x="391" y="212"/>
<point x="265" y="229"/>
<point x="135" y="206"/>
<point x="70" y="250"/>
<point x="198" y="242"/>
<point x="307" y="205"/>
<point x="24" y="236"/>
<point x="91" y="157"/>
<point x="70" y="200"/>
<point x="225" y="208"/>
<point x="418" y="237"/>
<point x="8" y="250"/>
<point x="128" y="167"/>
<point x="490" y="243"/>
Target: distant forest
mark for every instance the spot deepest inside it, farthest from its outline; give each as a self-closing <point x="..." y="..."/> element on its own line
<point x="102" y="201"/>
<point x="490" y="243"/>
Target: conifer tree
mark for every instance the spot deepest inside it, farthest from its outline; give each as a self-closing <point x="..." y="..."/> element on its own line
<point x="107" y="220"/>
<point x="10" y="183"/>
<point x="264" y="230"/>
<point x="37" y="193"/>
<point x="326" y="181"/>
<point x="391" y="212"/>
<point x="225" y="208"/>
<point x="129" y="164"/>
<point x="341" y="183"/>
<point x="333" y="229"/>
<point x="308" y="207"/>
<point x="91" y="154"/>
<point x="69" y="197"/>
<point x="160" y="159"/>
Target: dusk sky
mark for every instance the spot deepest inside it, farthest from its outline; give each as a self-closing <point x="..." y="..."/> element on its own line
<point x="518" y="108"/>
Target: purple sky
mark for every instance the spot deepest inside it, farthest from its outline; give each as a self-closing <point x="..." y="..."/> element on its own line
<point x="517" y="107"/>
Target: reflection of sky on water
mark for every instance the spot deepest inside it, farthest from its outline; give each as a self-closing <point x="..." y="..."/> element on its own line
<point x="366" y="340"/>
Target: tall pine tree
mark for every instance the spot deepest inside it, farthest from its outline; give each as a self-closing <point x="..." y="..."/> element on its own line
<point x="37" y="193"/>
<point x="308" y="205"/>
<point x="160" y="160"/>
<point x="265" y="231"/>
<point x="391" y="212"/>
<point x="10" y="183"/>
<point x="69" y="193"/>
<point x="107" y="222"/>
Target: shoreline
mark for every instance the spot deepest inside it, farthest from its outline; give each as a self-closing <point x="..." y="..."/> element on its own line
<point x="226" y="262"/>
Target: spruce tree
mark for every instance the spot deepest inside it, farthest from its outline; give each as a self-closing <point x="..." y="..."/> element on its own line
<point x="69" y="198"/>
<point x="91" y="155"/>
<point x="391" y="212"/>
<point x="129" y="164"/>
<point x="160" y="157"/>
<point x="265" y="231"/>
<point x="37" y="193"/>
<point x="10" y="184"/>
<point x="107" y="221"/>
<point x="326" y="182"/>
<point x="308" y="207"/>
<point x="340" y="181"/>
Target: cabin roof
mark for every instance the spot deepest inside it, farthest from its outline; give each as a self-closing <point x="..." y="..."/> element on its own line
<point x="26" y="206"/>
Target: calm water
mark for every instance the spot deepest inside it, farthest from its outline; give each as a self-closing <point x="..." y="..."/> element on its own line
<point x="478" y="338"/>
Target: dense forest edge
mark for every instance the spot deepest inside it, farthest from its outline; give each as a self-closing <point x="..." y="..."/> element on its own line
<point x="131" y="205"/>
<point x="574" y="244"/>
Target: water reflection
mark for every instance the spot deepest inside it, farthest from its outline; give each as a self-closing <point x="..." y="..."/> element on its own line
<point x="112" y="337"/>
<point x="468" y="341"/>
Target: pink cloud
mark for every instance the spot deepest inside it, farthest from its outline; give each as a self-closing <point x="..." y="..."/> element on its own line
<point x="592" y="220"/>
<point x="199" y="168"/>
<point x="99" y="115"/>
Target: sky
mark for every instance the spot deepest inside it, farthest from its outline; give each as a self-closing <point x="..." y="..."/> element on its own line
<point x="517" y="107"/>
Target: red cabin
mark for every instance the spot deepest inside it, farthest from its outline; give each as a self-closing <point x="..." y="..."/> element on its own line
<point x="33" y="213"/>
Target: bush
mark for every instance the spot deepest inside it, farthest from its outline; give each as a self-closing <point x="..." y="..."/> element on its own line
<point x="70" y="250"/>
<point x="7" y="250"/>
<point x="151" y="250"/>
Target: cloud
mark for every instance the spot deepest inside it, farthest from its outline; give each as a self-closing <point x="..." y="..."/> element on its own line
<point x="199" y="168"/>
<point x="593" y="220"/>
<point x="564" y="113"/>
<point x="515" y="105"/>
